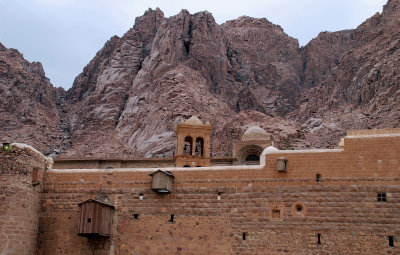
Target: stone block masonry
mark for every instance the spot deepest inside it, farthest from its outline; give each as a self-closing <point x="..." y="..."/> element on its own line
<point x="351" y="208"/>
<point x="21" y="174"/>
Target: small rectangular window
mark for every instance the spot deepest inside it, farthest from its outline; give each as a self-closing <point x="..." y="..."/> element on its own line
<point x="136" y="216"/>
<point x="391" y="241"/>
<point x="244" y="236"/>
<point x="171" y="219"/>
<point x="318" y="177"/>
<point x="381" y="197"/>
<point x="319" y="239"/>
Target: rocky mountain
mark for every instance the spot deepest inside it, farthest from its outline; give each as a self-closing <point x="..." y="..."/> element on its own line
<point x="358" y="79"/>
<point x="29" y="105"/>
<point x="245" y="72"/>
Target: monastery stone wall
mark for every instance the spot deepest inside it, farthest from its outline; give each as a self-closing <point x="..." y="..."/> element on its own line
<point x="112" y="163"/>
<point x="215" y="208"/>
<point x="21" y="173"/>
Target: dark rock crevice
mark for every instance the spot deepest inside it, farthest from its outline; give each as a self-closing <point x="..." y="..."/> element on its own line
<point x="187" y="38"/>
<point x="122" y="109"/>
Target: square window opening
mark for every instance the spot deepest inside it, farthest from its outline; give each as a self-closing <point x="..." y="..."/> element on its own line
<point x="381" y="197"/>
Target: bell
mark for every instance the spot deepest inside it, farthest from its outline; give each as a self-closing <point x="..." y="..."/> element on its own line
<point x="6" y="147"/>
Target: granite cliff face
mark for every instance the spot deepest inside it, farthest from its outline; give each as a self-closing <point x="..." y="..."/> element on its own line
<point x="245" y="72"/>
<point x="166" y="69"/>
<point x="358" y="84"/>
<point x="29" y="104"/>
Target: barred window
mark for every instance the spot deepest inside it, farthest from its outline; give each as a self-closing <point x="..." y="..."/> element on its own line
<point x="381" y="197"/>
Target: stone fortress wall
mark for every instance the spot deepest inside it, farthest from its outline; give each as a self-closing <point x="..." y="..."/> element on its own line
<point x="21" y="175"/>
<point x="325" y="203"/>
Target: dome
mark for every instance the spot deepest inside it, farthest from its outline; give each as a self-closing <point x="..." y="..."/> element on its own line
<point x="255" y="130"/>
<point x="269" y="149"/>
<point x="255" y="133"/>
<point x="194" y="121"/>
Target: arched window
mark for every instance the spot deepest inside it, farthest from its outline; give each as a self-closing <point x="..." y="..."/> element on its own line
<point x="199" y="150"/>
<point x="252" y="159"/>
<point x="250" y="154"/>
<point x="187" y="147"/>
<point x="186" y="166"/>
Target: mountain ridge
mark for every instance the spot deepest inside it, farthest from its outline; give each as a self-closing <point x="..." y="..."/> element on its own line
<point x="243" y="72"/>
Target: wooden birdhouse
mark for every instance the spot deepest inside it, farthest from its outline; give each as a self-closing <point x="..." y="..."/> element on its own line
<point x="162" y="181"/>
<point x="281" y="164"/>
<point x="95" y="218"/>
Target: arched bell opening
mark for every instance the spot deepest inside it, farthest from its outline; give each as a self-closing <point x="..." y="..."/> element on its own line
<point x="187" y="147"/>
<point x="199" y="150"/>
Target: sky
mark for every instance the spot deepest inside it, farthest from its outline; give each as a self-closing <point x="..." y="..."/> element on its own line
<point x="64" y="35"/>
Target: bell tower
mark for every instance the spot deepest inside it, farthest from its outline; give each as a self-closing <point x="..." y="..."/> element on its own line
<point x="193" y="145"/>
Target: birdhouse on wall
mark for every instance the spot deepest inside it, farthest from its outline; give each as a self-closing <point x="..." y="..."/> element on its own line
<point x="95" y="218"/>
<point x="162" y="181"/>
<point x="281" y="164"/>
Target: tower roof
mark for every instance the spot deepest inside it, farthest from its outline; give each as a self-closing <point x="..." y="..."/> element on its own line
<point x="195" y="121"/>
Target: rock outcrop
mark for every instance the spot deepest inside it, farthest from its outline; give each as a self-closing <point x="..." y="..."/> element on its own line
<point x="29" y="104"/>
<point x="358" y="84"/>
<point x="174" y="68"/>
<point x="245" y="72"/>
